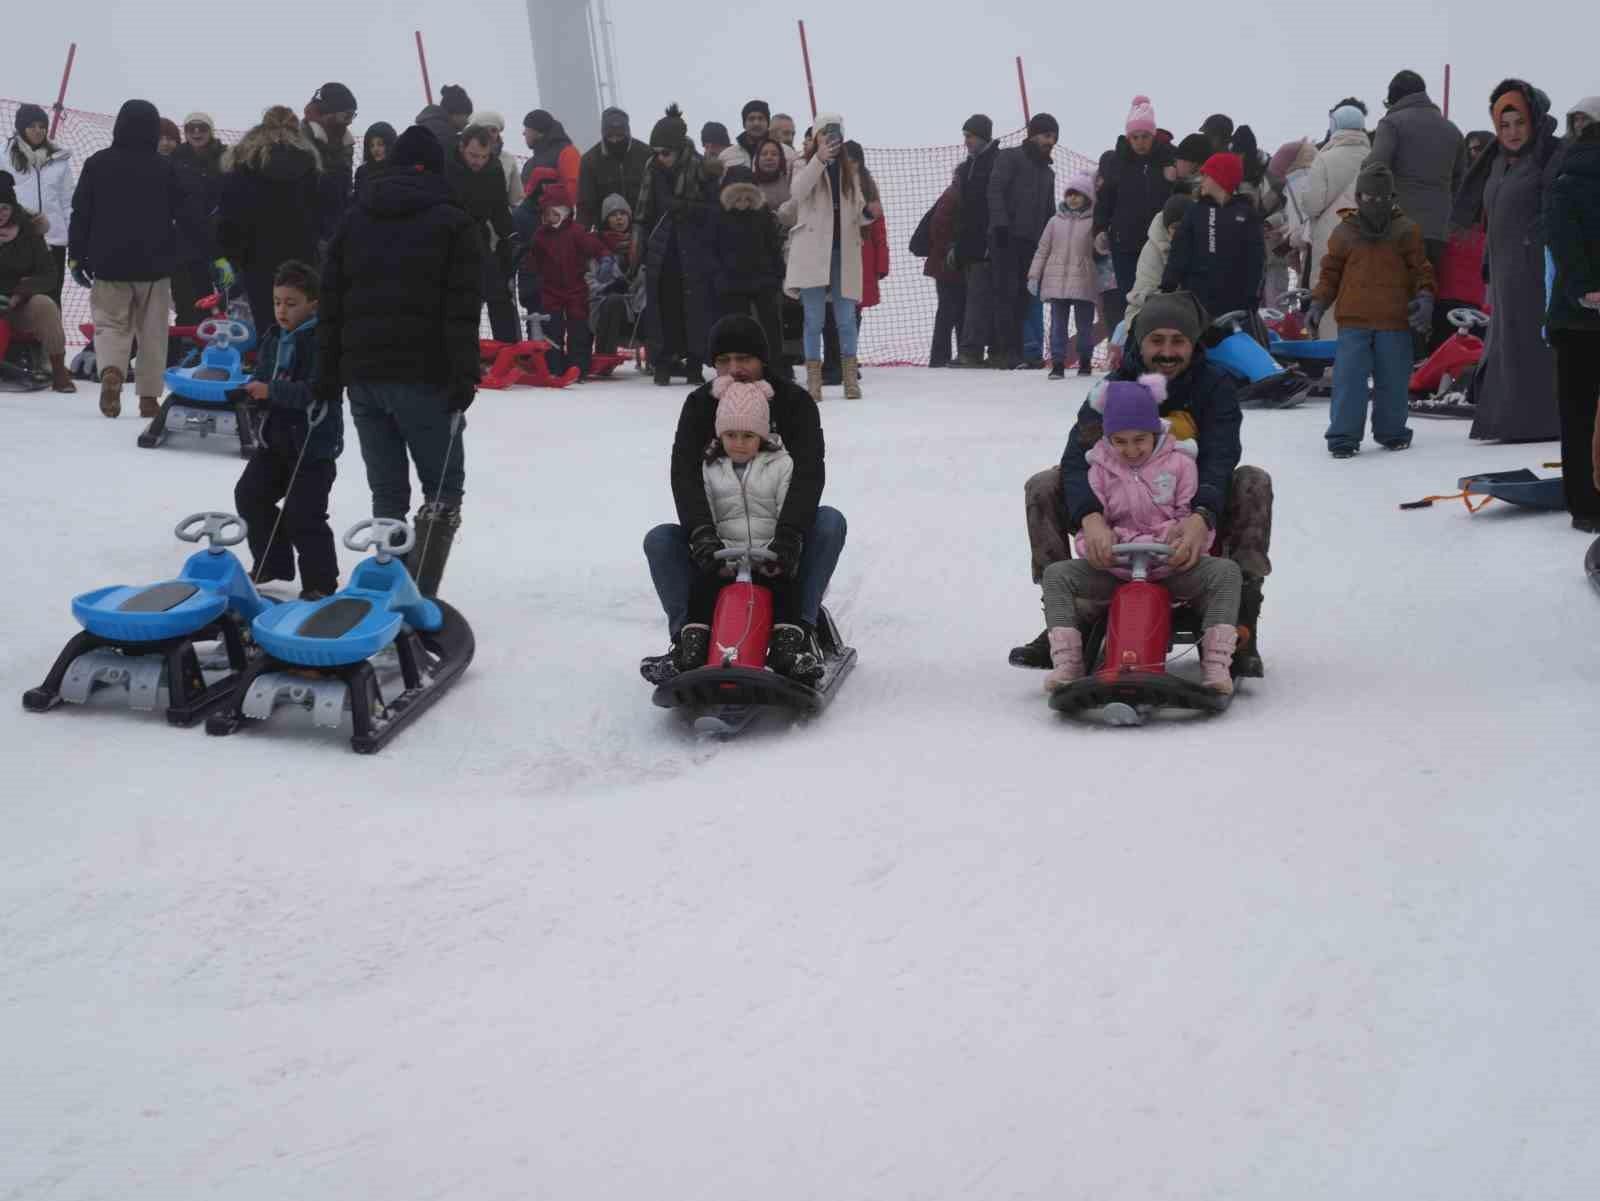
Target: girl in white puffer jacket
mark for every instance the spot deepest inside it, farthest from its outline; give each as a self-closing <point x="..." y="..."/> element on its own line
<point x="43" y="172"/>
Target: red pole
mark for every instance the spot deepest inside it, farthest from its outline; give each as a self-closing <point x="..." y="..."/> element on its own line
<point x="1447" y="90"/>
<point x="422" y="57"/>
<point x="1022" y="85"/>
<point x="811" y="87"/>
<point x="61" y="96"/>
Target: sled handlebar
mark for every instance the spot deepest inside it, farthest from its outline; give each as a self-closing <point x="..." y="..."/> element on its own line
<point x="222" y="332"/>
<point x="379" y="533"/>
<point x="757" y="554"/>
<point x="212" y="526"/>
<point x="1465" y="319"/>
<point x="1234" y="321"/>
<point x="1139" y="554"/>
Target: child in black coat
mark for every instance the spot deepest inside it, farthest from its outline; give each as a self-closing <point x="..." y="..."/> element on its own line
<point x="295" y="461"/>
<point x="747" y="244"/>
<point x="1220" y="250"/>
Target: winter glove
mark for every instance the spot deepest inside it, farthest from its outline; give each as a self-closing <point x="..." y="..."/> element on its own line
<point x="704" y="544"/>
<point x="1314" y="313"/>
<point x="787" y="544"/>
<point x="81" y="275"/>
<point x="1102" y="244"/>
<point x="1033" y="288"/>
<point x="461" y="395"/>
<point x="222" y="269"/>
<point x="1420" y="312"/>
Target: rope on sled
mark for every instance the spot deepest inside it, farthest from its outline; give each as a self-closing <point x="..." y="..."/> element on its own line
<point x="1463" y="496"/>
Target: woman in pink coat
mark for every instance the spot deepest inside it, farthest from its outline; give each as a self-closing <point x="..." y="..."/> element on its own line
<point x="1063" y="274"/>
<point x="1146" y="481"/>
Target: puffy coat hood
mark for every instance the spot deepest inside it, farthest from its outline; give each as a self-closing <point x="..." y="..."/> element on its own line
<point x="138" y="127"/>
<point x="402" y="193"/>
<point x="740" y="196"/>
<point x="276" y="153"/>
<point x="378" y="129"/>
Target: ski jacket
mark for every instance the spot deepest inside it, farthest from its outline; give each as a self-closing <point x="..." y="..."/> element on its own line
<point x="287" y="364"/>
<point x="1572" y="220"/>
<point x="943" y="227"/>
<point x="1144" y="503"/>
<point x="748" y="244"/>
<point x="45" y="186"/>
<point x="1152" y="266"/>
<point x="1064" y="262"/>
<point x="1022" y="193"/>
<point x="1461" y="268"/>
<point x="745" y="507"/>
<point x="556" y="151"/>
<point x="1133" y="187"/>
<point x="561" y="255"/>
<point x="1428" y="156"/>
<point x="272" y="201"/>
<point x="25" y="260"/>
<point x="1219" y="254"/>
<point x="1374" y="279"/>
<point x="972" y="181"/>
<point x="602" y="173"/>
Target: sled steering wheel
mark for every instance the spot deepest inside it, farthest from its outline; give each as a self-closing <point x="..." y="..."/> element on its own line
<point x="378" y="533"/>
<point x="758" y="554"/>
<point x="1139" y="554"/>
<point x="214" y="527"/>
<point x="1233" y="322"/>
<point x="1467" y="319"/>
<point x="222" y="332"/>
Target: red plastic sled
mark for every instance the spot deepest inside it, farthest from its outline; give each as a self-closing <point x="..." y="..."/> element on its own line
<point x="521" y="364"/>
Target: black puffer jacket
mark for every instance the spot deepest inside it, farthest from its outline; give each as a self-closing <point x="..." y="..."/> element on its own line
<point x="273" y="197"/>
<point x="202" y="171"/>
<point x="972" y="181"/>
<point x="1133" y="187"/>
<point x="1022" y="193"/>
<point x="602" y="173"/>
<point x="748" y="244"/>
<point x="1572" y="224"/>
<point x="1219" y="254"/>
<point x="481" y="193"/>
<point x="131" y="203"/>
<point x="400" y="288"/>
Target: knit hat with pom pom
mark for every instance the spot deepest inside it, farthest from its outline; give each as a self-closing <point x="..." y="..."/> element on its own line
<point x="1134" y="404"/>
<point x="1141" y="117"/>
<point x="742" y="407"/>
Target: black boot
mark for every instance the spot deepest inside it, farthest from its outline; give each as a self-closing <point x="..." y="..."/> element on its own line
<point x="1247" y="659"/>
<point x="792" y="651"/>
<point x="658" y="669"/>
<point x="435" y="525"/>
<point x="663" y="373"/>
<point x="694" y="645"/>
<point x="1033" y="654"/>
<point x="693" y="372"/>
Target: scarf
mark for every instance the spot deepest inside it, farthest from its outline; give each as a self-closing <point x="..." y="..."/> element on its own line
<point x="283" y="368"/>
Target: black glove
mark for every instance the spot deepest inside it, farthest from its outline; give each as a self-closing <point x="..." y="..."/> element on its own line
<point x="1000" y="237"/>
<point x="787" y="544"/>
<point x="81" y="275"/>
<point x="460" y="397"/>
<point x="704" y="544"/>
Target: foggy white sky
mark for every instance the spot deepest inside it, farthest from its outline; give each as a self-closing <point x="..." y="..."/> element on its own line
<point x="899" y="77"/>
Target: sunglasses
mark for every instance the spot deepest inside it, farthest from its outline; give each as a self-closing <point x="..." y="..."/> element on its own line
<point x="196" y="127"/>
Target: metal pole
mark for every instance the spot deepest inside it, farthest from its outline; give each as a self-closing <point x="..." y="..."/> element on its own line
<point x="61" y="96"/>
<point x="1022" y="85"/>
<point x="422" y="58"/>
<point x="811" y="87"/>
<point x="1447" y="90"/>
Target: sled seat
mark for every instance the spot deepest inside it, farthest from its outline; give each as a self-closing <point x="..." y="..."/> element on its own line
<point x="353" y="624"/>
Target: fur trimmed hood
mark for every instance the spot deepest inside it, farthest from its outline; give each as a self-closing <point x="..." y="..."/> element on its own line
<point x="743" y="196"/>
<point x="262" y="144"/>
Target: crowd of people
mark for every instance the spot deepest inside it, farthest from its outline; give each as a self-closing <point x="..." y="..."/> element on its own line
<point x="721" y="249"/>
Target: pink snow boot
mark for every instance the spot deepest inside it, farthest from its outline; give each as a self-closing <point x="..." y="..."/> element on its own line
<point x="1217" y="645"/>
<point x="1066" y="657"/>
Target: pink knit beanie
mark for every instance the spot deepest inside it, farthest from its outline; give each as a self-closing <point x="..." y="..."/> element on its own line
<point x="742" y="407"/>
<point x="1141" y="117"/>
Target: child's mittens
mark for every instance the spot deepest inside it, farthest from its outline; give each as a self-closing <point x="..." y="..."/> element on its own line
<point x="1420" y="312"/>
<point x="1314" y="314"/>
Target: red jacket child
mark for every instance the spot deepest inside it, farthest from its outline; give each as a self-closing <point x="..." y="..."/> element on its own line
<point x="561" y="253"/>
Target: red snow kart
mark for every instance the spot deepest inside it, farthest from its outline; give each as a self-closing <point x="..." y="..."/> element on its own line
<point x="1440" y="386"/>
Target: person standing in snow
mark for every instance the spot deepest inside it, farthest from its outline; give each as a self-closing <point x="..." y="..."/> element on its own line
<point x="201" y="156"/>
<point x="614" y="166"/>
<point x="44" y="183"/>
<point x="1153" y="258"/>
<point x="377" y="144"/>
<point x="1134" y="184"/>
<point x="674" y="211"/>
<point x="549" y="146"/>
<point x="327" y="124"/>
<point x="509" y="168"/>
<point x="1022" y="199"/>
<point x="756" y="119"/>
<point x="972" y="257"/>
<point x="948" y="281"/>
<point x="1330" y="192"/>
<point x="446" y="119"/>
<point x="1220" y="252"/>
<point x="480" y="186"/>
<point x="1062" y="274"/>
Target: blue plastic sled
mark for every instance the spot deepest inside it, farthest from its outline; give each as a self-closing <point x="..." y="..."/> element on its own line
<point x="1262" y="379"/>
<point x="143" y="637"/>
<point x="1521" y="487"/>
<point x="317" y="654"/>
<point x="197" y="397"/>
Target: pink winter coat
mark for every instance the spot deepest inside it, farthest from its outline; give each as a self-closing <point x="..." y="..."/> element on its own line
<point x="1144" y="503"/>
<point x="1064" y="262"/>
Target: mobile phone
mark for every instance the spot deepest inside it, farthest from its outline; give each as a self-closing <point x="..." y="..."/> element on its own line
<point x="834" y="134"/>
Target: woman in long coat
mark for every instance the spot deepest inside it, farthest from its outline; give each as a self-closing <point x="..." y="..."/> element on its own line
<point x="1516" y="386"/>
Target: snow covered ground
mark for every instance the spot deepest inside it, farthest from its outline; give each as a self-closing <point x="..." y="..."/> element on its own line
<point x="935" y="944"/>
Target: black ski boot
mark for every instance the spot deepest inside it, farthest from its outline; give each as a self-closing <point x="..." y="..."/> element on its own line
<point x="658" y="669"/>
<point x="694" y="645"/>
<point x="1247" y="658"/>
<point x="792" y="651"/>
<point x="435" y="526"/>
<point x="1033" y="654"/>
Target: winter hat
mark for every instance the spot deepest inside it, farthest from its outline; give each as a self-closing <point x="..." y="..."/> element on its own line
<point x="979" y="126"/>
<point x="614" y="204"/>
<point x="203" y="119"/>
<point x="671" y="132"/>
<point x="1589" y="106"/>
<point x="1226" y="170"/>
<point x="614" y="120"/>
<point x="737" y="174"/>
<point x="742" y="407"/>
<point x="1285" y="159"/>
<point x="1170" y="310"/>
<point x="1346" y="116"/>
<point x="1405" y="83"/>
<point x="1141" y="117"/>
<point x="1195" y="148"/>
<point x="714" y="133"/>
<point x="1081" y="183"/>
<point x="539" y="121"/>
<point x="826" y="119"/>
<point x="454" y="100"/>
<point x="169" y="130"/>
<point x="1376" y="179"/>
<point x="8" y="192"/>
<point x="755" y="106"/>
<point x="1043" y="123"/>
<point x="489" y="119"/>
<point x="335" y="98"/>
<point x="555" y="196"/>
<point x="1133" y="405"/>
<point x="1218" y="127"/>
<point x="417" y="150"/>
<point x="738" y="334"/>
<point x="1173" y="210"/>
<point x="30" y="114"/>
<point x="377" y="130"/>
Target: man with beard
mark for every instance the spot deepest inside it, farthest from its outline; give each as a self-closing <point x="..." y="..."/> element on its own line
<point x="757" y="129"/>
<point x="549" y="146"/>
<point x="614" y="166"/>
<point x="200" y="158"/>
<point x="1235" y="501"/>
<point x="327" y="122"/>
<point x="478" y="181"/>
<point x="1022" y="199"/>
<point x="783" y="132"/>
<point x="972" y="243"/>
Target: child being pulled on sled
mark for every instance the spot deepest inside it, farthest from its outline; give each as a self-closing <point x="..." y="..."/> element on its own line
<point x="747" y="473"/>
<point x="1146" y="480"/>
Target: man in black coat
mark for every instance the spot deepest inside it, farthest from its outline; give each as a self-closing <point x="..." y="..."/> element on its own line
<point x="399" y="328"/>
<point x="200" y="156"/>
<point x="328" y="119"/>
<point x="810" y="534"/>
<point x="1133" y="187"/>
<point x="129" y="210"/>
<point x="614" y="166"/>
<point x="972" y="241"/>
<point x="1022" y="199"/>
<point x="474" y="171"/>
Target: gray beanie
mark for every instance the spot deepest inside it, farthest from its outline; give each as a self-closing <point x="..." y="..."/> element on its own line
<point x="1170" y="310"/>
<point x="614" y="204"/>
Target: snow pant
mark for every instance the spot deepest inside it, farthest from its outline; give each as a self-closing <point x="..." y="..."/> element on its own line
<point x="304" y="528"/>
<point x="609" y="316"/>
<point x="978" y="328"/>
<point x="1012" y="297"/>
<point x="1578" y="392"/>
<point x="1081" y="311"/>
<point x="666" y="549"/>
<point x="947" y="320"/>
<point x="394" y="418"/>
<point x="1075" y="592"/>
<point x="1244" y="529"/>
<point x="190" y="282"/>
<point x="571" y="340"/>
<point x="1385" y="355"/>
<point x="41" y="319"/>
<point x="706" y="586"/>
<point x="123" y="312"/>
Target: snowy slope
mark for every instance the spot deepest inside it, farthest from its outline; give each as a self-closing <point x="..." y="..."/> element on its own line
<point x="936" y="944"/>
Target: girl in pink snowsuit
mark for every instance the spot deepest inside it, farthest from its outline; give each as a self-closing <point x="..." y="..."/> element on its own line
<point x="1145" y="480"/>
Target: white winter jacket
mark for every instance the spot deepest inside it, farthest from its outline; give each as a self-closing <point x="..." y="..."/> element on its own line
<point x="1152" y="266"/>
<point x="746" y="508"/>
<point x="1330" y="188"/>
<point x="44" y="187"/>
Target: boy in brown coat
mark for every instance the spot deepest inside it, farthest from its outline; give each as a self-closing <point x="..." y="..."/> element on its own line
<point x="1377" y="270"/>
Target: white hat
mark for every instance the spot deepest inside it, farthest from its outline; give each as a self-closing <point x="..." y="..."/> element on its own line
<point x="488" y="117"/>
<point x="200" y="119"/>
<point x="826" y="119"/>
